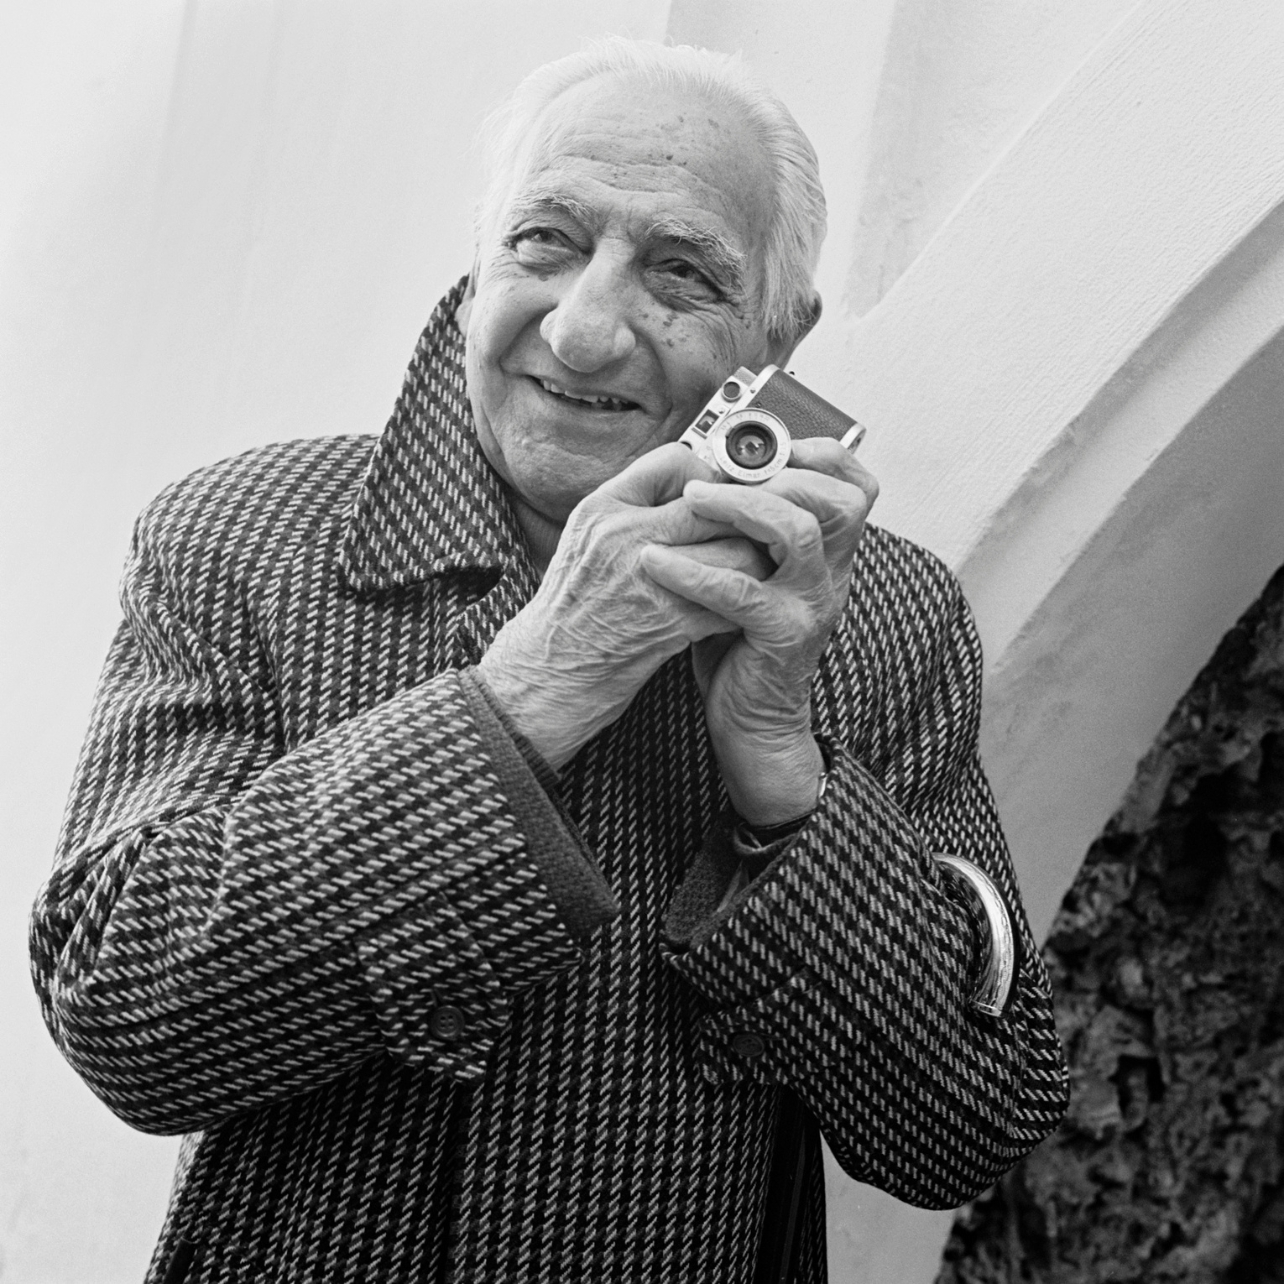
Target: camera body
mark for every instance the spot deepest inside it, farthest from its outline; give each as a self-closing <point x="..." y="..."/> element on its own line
<point x="746" y="429"/>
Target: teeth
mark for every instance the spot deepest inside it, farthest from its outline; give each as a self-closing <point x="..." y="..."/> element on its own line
<point x="607" y="403"/>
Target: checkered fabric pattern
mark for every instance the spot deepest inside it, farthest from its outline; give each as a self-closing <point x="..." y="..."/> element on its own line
<point x="294" y="915"/>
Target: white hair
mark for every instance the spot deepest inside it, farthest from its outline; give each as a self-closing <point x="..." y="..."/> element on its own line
<point x="798" y="201"/>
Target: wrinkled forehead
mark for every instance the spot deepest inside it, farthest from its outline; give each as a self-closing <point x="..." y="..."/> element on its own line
<point x="647" y="137"/>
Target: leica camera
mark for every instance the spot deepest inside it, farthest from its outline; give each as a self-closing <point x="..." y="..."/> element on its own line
<point x="748" y="426"/>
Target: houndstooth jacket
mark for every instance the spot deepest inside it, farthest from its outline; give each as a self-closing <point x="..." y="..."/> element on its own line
<point x="301" y="911"/>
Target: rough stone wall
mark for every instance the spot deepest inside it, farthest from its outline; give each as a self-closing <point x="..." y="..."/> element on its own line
<point x="1167" y="959"/>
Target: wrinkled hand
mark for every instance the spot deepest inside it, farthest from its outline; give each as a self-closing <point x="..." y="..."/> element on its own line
<point x="568" y="664"/>
<point x="757" y="683"/>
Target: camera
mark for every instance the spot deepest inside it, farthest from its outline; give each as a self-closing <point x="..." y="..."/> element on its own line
<point x="746" y="429"/>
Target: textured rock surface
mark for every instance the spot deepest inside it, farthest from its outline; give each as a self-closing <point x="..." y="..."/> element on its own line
<point x="1168" y="962"/>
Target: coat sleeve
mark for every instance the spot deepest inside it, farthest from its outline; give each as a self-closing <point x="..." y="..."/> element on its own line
<point x="850" y="961"/>
<point x="228" y="923"/>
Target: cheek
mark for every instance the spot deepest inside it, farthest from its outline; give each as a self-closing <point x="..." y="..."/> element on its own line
<point x="504" y="307"/>
<point x="699" y="356"/>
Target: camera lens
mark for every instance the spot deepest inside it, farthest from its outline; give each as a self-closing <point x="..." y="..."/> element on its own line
<point x="751" y="445"/>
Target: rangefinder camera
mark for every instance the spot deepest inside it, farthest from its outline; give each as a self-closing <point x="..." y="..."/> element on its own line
<point x="748" y="426"/>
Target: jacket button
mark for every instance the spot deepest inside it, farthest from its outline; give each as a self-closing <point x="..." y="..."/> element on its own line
<point x="747" y="1045"/>
<point x="446" y="1022"/>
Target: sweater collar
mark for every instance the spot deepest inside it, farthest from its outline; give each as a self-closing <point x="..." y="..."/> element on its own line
<point x="430" y="502"/>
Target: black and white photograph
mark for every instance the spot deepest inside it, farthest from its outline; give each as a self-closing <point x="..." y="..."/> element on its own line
<point x="643" y="642"/>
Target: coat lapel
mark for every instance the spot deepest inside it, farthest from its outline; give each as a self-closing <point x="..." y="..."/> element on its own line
<point x="430" y="502"/>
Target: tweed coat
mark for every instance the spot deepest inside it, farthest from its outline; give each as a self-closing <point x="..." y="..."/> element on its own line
<point x="298" y="914"/>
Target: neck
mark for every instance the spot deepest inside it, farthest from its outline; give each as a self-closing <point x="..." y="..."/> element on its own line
<point x="541" y="533"/>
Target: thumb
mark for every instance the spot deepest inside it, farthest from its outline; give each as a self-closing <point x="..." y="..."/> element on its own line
<point x="658" y="476"/>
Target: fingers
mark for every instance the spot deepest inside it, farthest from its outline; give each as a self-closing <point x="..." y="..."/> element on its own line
<point x="647" y="495"/>
<point x="698" y="623"/>
<point x="657" y="477"/>
<point x="837" y="505"/>
<point x="728" y="593"/>
<point x="791" y="532"/>
<point x="732" y="554"/>
<point x="826" y="456"/>
<point x="644" y="504"/>
<point x="828" y="484"/>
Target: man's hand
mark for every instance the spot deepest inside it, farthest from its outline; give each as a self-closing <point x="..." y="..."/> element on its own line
<point x="572" y="659"/>
<point x="757" y="685"/>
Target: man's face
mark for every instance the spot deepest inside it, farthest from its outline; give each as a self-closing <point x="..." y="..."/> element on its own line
<point x="619" y="286"/>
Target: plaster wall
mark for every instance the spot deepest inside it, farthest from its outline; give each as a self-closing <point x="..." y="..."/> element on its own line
<point x="83" y="95"/>
<point x="960" y="82"/>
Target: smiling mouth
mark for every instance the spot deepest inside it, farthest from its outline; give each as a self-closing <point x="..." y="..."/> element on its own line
<point x="591" y="401"/>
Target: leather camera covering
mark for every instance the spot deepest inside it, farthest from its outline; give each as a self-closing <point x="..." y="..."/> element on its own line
<point x="804" y="413"/>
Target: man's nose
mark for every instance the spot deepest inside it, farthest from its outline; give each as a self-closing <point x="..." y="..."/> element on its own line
<point x="591" y="325"/>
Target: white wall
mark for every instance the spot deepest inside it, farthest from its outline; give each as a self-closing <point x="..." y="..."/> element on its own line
<point x="83" y="94"/>
<point x="960" y="82"/>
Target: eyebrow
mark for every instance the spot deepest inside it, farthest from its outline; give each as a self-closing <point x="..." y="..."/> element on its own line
<point x="718" y="252"/>
<point x="549" y="200"/>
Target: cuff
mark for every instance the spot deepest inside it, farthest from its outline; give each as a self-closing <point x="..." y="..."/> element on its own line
<point x="583" y="897"/>
<point x="720" y="880"/>
<point x="859" y="858"/>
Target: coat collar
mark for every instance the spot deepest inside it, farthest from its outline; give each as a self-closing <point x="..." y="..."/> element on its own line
<point x="430" y="502"/>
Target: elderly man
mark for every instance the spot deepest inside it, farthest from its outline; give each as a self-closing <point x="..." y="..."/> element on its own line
<point x="482" y="830"/>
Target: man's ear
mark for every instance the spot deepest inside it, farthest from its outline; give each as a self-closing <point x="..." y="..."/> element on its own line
<point x="781" y="347"/>
<point x="465" y="308"/>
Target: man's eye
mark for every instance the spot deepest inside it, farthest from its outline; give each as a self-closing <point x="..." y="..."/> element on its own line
<point x="542" y="249"/>
<point x="539" y="239"/>
<point x="687" y="275"/>
<point x="686" y="271"/>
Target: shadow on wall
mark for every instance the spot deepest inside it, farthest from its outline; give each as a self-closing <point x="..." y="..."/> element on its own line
<point x="1167" y="958"/>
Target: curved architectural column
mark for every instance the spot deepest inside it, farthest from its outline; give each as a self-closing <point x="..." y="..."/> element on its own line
<point x="1075" y="397"/>
<point x="1069" y="394"/>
